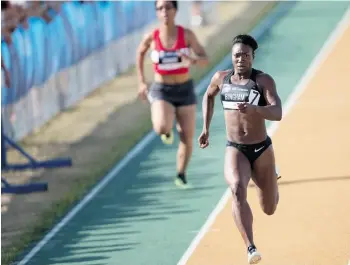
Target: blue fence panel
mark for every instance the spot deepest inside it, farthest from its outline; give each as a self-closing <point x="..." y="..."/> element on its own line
<point x="92" y="28"/>
<point x="124" y="18"/>
<point x="107" y="14"/>
<point x="83" y="25"/>
<point x="37" y="32"/>
<point x="28" y="60"/>
<point x="55" y="42"/>
<point x="18" y="50"/>
<point x="64" y="31"/>
<point x="6" y="57"/>
<point x="72" y="25"/>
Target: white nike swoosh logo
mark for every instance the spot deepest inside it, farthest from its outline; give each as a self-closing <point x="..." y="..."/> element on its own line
<point x="257" y="150"/>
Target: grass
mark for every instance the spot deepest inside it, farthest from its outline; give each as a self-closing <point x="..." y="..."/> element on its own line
<point x="100" y="168"/>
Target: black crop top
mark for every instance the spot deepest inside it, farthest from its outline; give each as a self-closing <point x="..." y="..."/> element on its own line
<point x="231" y="94"/>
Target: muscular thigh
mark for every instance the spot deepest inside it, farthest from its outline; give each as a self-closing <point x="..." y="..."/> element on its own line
<point x="264" y="175"/>
<point x="237" y="168"/>
<point x="186" y="121"/>
<point x="162" y="114"/>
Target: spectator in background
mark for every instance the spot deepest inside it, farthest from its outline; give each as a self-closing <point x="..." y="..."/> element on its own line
<point x="197" y="14"/>
<point x="22" y="3"/>
<point x="11" y="16"/>
<point x="15" y="13"/>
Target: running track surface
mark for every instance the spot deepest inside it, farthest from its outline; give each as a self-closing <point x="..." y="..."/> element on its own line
<point x="139" y="217"/>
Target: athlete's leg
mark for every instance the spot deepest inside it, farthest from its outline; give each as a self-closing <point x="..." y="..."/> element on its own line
<point x="186" y="125"/>
<point x="163" y="114"/>
<point x="237" y="174"/>
<point x="265" y="178"/>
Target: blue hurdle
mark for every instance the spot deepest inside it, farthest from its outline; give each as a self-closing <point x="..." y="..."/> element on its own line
<point x="32" y="164"/>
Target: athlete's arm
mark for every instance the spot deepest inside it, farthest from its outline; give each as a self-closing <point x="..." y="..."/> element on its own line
<point x="273" y="110"/>
<point x="141" y="52"/>
<point x="201" y="56"/>
<point x="209" y="99"/>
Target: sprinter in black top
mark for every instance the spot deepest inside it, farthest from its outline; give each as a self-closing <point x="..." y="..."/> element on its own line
<point x="231" y="96"/>
<point x="249" y="97"/>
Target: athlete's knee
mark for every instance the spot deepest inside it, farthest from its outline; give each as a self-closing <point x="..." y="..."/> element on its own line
<point x="186" y="137"/>
<point x="185" y="148"/>
<point x="187" y="141"/>
<point x="270" y="209"/>
<point x="239" y="192"/>
<point x="161" y="128"/>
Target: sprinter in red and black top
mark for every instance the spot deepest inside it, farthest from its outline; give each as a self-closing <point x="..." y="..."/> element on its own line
<point x="172" y="93"/>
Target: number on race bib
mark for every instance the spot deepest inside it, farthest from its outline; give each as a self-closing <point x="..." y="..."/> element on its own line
<point x="254" y="97"/>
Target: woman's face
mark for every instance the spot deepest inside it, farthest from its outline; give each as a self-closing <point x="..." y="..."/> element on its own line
<point x="242" y="57"/>
<point x="165" y="11"/>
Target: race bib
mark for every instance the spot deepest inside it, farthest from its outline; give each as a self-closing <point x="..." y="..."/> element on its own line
<point x="169" y="60"/>
<point x="232" y="95"/>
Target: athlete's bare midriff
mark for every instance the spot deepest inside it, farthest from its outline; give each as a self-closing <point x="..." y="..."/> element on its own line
<point x="172" y="79"/>
<point x="244" y="128"/>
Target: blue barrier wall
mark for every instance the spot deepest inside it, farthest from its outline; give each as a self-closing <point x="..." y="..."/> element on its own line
<point x="54" y="65"/>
